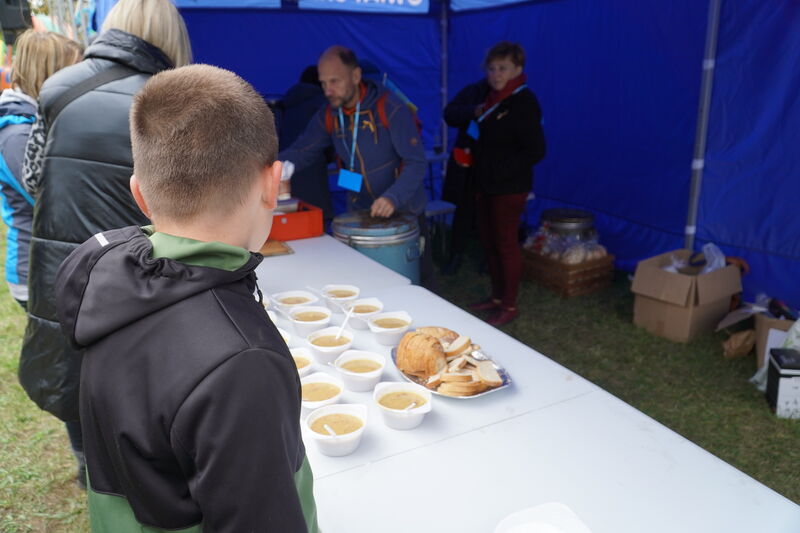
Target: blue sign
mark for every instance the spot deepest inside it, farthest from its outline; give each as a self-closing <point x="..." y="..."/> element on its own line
<point x="374" y="6"/>
<point x="187" y="4"/>
<point x="463" y="5"/>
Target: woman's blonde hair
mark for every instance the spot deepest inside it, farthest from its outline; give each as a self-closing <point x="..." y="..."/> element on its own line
<point x="37" y="56"/>
<point x="155" y="21"/>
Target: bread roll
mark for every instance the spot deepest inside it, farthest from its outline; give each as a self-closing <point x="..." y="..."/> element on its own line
<point x="420" y="355"/>
<point x="442" y="334"/>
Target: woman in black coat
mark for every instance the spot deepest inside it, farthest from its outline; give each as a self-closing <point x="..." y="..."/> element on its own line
<point x="509" y="141"/>
<point x="459" y="183"/>
<point x="78" y="166"/>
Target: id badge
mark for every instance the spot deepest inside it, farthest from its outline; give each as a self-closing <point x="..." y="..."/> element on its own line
<point x="350" y="180"/>
<point x="473" y="130"/>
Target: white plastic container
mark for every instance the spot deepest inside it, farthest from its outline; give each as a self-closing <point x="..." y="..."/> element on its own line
<point x="285" y="308"/>
<point x="305" y="353"/>
<point x="359" y="381"/>
<point x="402" y="419"/>
<point x="339" y="445"/>
<point x="272" y="316"/>
<point x="389" y="336"/>
<point x="322" y="377"/>
<point x="554" y="517"/>
<point x="359" y="320"/>
<point x="306" y="328"/>
<point x="336" y="304"/>
<point x="328" y="354"/>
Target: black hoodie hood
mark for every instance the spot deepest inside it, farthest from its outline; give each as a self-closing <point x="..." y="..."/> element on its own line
<point x="112" y="280"/>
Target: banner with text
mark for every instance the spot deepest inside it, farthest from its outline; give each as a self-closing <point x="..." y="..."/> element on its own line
<point x="409" y="7"/>
<point x="188" y="4"/>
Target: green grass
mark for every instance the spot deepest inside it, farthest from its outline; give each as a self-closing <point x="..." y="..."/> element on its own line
<point x="37" y="470"/>
<point x="689" y="388"/>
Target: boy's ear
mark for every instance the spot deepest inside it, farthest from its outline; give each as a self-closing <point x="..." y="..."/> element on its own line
<point x="271" y="178"/>
<point x="138" y="198"/>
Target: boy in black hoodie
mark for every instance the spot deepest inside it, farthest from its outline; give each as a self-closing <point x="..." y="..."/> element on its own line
<point x="190" y="400"/>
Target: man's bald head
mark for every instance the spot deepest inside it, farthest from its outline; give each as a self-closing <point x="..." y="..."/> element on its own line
<point x="346" y="56"/>
<point x="340" y="76"/>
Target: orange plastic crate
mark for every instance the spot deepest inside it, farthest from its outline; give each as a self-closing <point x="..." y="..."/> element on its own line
<point x="304" y="223"/>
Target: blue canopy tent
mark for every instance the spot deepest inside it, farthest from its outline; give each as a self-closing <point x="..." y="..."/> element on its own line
<point x="619" y="82"/>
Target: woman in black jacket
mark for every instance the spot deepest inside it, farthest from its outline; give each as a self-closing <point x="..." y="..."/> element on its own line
<point x="459" y="184"/>
<point x="78" y="166"/>
<point x="508" y="141"/>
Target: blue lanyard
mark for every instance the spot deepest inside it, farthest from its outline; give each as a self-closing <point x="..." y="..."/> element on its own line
<point x="355" y="134"/>
<point x="491" y="109"/>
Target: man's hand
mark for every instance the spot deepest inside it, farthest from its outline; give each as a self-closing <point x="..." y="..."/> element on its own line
<point x="382" y="207"/>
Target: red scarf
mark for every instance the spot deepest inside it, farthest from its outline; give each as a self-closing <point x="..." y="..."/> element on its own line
<point x="495" y="97"/>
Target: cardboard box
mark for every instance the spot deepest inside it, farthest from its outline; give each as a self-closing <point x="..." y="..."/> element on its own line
<point x="680" y="306"/>
<point x="763" y="325"/>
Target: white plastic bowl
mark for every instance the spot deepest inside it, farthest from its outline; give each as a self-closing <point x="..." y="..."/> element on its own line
<point x="277" y="297"/>
<point x="336" y="304"/>
<point x="359" y="381"/>
<point x="272" y="316"/>
<point x="305" y="353"/>
<point x="336" y="446"/>
<point x="305" y="328"/>
<point x="389" y="336"/>
<point x="328" y="354"/>
<point x="286" y="335"/>
<point x="359" y="320"/>
<point x="401" y="419"/>
<point x="321" y="377"/>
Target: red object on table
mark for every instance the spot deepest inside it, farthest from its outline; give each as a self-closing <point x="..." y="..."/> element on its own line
<point x="304" y="223"/>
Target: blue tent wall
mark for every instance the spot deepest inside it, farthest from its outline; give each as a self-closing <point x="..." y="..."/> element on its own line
<point x="271" y="48"/>
<point x="751" y="184"/>
<point x="618" y="82"/>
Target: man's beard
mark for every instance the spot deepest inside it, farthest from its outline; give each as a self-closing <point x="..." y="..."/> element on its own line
<point x="337" y="102"/>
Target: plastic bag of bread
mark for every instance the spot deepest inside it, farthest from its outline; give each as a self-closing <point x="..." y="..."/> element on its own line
<point x="574" y="255"/>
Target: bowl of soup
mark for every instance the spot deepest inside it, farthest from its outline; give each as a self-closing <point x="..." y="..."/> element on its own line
<point x="337" y="429"/>
<point x="363" y="309"/>
<point x="320" y="389"/>
<point x="286" y="300"/>
<point x="389" y="328"/>
<point x="306" y="319"/>
<point x="338" y="297"/>
<point x="360" y="371"/>
<point x="302" y="360"/>
<point x="326" y="347"/>
<point x="402" y="405"/>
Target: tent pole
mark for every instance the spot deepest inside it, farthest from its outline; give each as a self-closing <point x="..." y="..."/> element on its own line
<point x="444" y="64"/>
<point x="704" y="108"/>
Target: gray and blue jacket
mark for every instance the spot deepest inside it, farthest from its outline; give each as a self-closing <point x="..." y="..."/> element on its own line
<point x="390" y="160"/>
<point x="17" y="114"/>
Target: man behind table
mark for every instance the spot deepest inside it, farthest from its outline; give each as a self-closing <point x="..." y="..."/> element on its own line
<point x="383" y="162"/>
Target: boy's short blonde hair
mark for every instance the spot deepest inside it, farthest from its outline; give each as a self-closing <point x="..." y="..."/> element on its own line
<point x="156" y="21"/>
<point x="200" y="137"/>
<point x="37" y="56"/>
